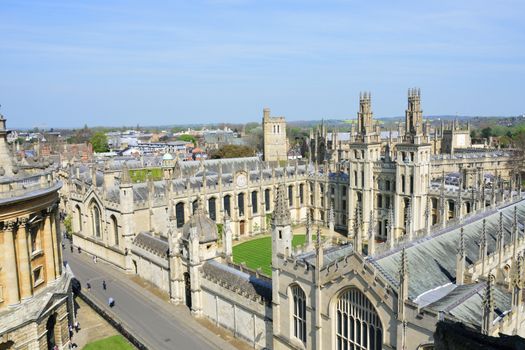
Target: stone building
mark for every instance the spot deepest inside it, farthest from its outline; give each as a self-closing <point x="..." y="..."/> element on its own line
<point x="275" y="143"/>
<point x="35" y="296"/>
<point x="410" y="254"/>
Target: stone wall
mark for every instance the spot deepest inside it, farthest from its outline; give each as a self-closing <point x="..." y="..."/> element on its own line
<point x="247" y="318"/>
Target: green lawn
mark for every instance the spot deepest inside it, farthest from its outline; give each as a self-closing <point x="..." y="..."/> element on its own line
<point x="258" y="252"/>
<point x="116" y="342"/>
<point x="141" y="175"/>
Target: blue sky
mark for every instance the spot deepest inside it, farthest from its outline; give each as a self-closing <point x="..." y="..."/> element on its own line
<point x="64" y="63"/>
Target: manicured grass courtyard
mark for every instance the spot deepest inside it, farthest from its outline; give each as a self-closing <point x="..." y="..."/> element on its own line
<point x="258" y="252"/>
<point x="116" y="342"/>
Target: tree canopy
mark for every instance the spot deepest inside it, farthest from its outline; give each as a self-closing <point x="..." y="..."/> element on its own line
<point x="99" y="140"/>
<point x="232" y="151"/>
<point x="187" y="138"/>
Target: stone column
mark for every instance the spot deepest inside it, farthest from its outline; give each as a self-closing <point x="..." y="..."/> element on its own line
<point x="48" y="249"/>
<point x="11" y="271"/>
<point x="26" y="289"/>
<point x="56" y="239"/>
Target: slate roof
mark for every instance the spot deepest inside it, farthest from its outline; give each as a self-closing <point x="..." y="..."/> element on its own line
<point x="432" y="261"/>
<point x="152" y="244"/>
<point x="238" y="280"/>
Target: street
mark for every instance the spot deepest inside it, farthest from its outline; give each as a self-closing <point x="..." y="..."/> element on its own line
<point x="154" y="321"/>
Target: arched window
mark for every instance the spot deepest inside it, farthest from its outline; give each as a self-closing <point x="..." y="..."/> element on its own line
<point x="212" y="208"/>
<point x="195" y="206"/>
<point x="299" y="313"/>
<point x="227" y="204"/>
<point x="115" y="229"/>
<point x="95" y="220"/>
<point x="267" y="199"/>
<point x="179" y="214"/>
<point x="358" y="324"/>
<point x="290" y="195"/>
<point x="240" y="203"/>
<point x="79" y="218"/>
<point x="255" y="206"/>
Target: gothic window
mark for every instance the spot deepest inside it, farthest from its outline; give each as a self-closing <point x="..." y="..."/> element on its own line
<point x="344" y="191"/>
<point x="194" y="206"/>
<point x="411" y="184"/>
<point x="267" y="199"/>
<point x="212" y="208"/>
<point x="387" y="185"/>
<point x="240" y="203"/>
<point x="95" y="221"/>
<point x="355" y="178"/>
<point x="362" y="178"/>
<point x="299" y="313"/>
<point x="387" y="200"/>
<point x="227" y="204"/>
<point x="179" y="214"/>
<point x="255" y="205"/>
<point x="79" y="218"/>
<point x="358" y="324"/>
<point x="290" y="195"/>
<point x="379" y="201"/>
<point x="343" y="204"/>
<point x="301" y="193"/>
<point x="402" y="183"/>
<point x="114" y="223"/>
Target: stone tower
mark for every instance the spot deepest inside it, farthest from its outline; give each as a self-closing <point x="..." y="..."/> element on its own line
<point x="275" y="143"/>
<point x="412" y="170"/>
<point x="281" y="225"/>
<point x="365" y="150"/>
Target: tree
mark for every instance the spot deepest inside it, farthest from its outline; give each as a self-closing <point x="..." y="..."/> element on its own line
<point x="187" y="138"/>
<point x="99" y="140"/>
<point x="232" y="151"/>
<point x="486" y="132"/>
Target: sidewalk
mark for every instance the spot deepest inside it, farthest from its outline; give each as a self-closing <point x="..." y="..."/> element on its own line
<point x="92" y="326"/>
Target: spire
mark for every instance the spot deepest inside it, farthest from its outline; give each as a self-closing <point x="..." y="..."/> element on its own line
<point x="357" y="231"/>
<point x="460" y="259"/>
<point x="488" y="306"/>
<point x="390" y="228"/>
<point x="124" y="174"/>
<point x="403" y="284"/>
<point x="371" y="235"/>
<point x="483" y="246"/>
<point x="319" y="249"/>
<point x="308" y="230"/>
<point x="281" y="213"/>
<point x="331" y="219"/>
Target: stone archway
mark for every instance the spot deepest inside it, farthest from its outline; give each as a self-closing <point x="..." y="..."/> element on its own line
<point x="50" y="331"/>
<point x="7" y="345"/>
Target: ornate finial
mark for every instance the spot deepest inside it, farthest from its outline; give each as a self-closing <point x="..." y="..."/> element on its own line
<point x="483" y="238"/>
<point x="281" y="213"/>
<point x="461" y="248"/>
<point x="518" y="274"/>
<point x="371" y="225"/>
<point x="500" y="226"/>
<point x="403" y="264"/>
<point x="125" y="178"/>
<point x="318" y="238"/>
<point x="488" y="298"/>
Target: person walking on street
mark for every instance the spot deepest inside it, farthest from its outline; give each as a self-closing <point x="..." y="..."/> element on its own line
<point x="71" y="246"/>
<point x="104" y="284"/>
<point x="88" y="286"/>
<point x="79" y="250"/>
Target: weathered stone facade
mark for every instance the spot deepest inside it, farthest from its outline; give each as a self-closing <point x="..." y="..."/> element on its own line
<point x="35" y="296"/>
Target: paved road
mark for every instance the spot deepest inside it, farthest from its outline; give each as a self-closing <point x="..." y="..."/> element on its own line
<point x="159" y="324"/>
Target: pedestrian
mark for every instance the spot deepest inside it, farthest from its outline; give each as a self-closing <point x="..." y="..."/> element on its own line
<point x="55" y="347"/>
<point x="95" y="259"/>
<point x="104" y="284"/>
<point x="88" y="286"/>
<point x="70" y="328"/>
<point x="79" y="250"/>
<point x="63" y="245"/>
<point x="77" y="326"/>
<point x="71" y="246"/>
<point x="111" y="302"/>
